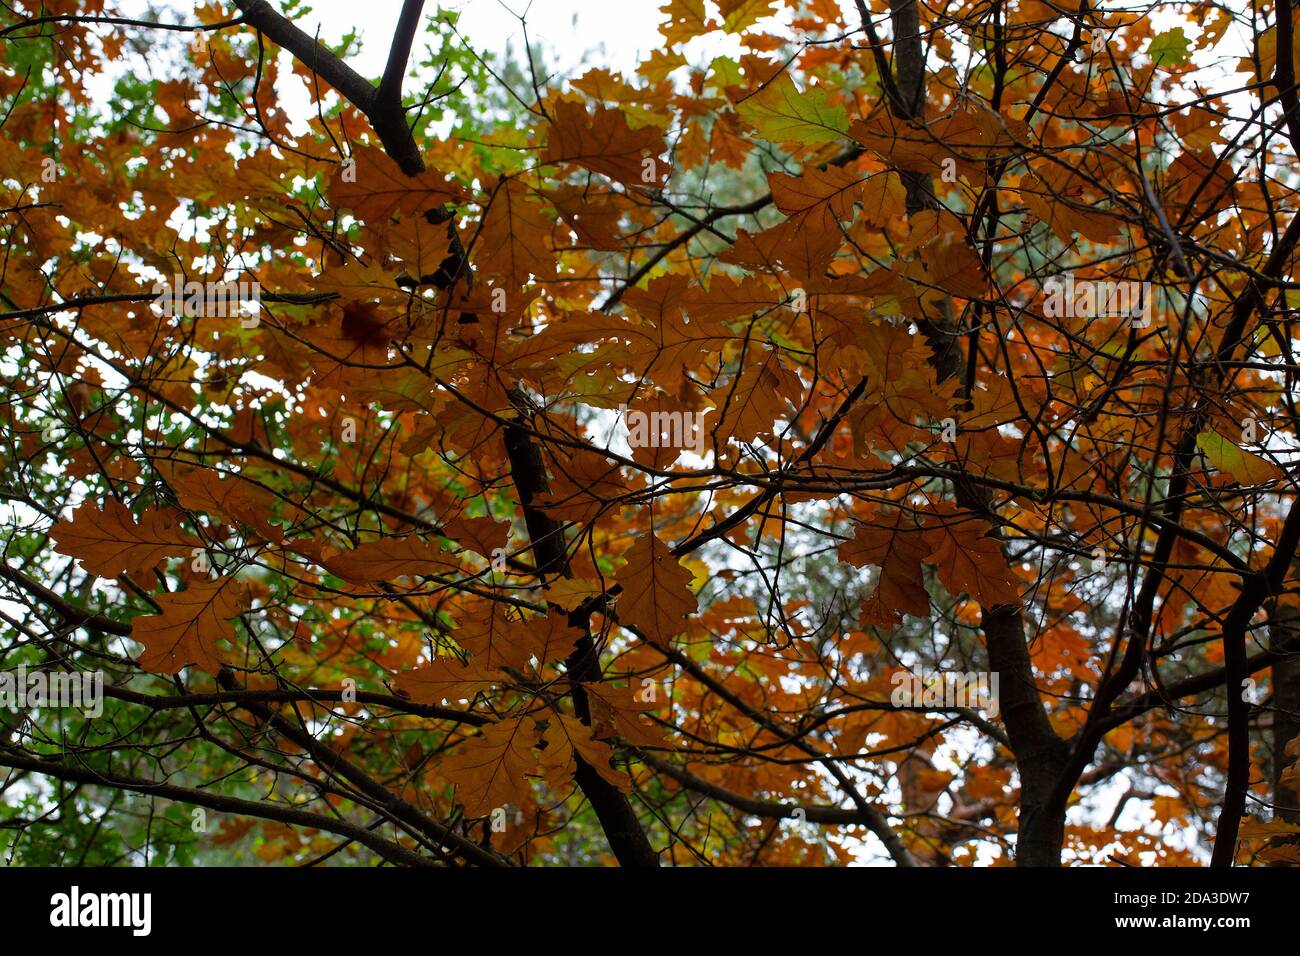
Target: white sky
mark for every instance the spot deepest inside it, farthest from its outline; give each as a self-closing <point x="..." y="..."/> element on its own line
<point x="616" y="34"/>
<point x="620" y="32"/>
<point x="576" y="35"/>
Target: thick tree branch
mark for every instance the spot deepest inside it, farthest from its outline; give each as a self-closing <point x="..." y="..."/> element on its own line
<point x="382" y="106"/>
<point x="627" y="838"/>
<point x="1255" y="590"/>
<point x="1040" y="753"/>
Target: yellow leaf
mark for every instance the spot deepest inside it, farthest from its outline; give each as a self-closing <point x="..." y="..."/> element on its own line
<point x="1227" y="457"/>
<point x="659" y="65"/>
<point x="783" y="114"/>
<point x="739" y="14"/>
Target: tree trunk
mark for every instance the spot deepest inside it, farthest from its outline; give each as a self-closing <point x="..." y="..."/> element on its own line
<point x="1285" y="681"/>
<point x="1040" y="754"/>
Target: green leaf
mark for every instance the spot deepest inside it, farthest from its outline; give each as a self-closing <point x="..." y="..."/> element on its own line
<point x="724" y="72"/>
<point x="1168" y="48"/>
<point x="739" y="14"/>
<point x="1226" y="456"/>
<point x="782" y="114"/>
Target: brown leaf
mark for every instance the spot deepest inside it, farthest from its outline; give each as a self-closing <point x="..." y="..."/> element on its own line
<point x="757" y="400"/>
<point x="481" y="535"/>
<point x="567" y="737"/>
<point x="512" y="240"/>
<point x="188" y="628"/>
<point x="109" y="541"/>
<point x="606" y="144"/>
<point x="444" y="678"/>
<point x="657" y="597"/>
<point x="494" y="640"/>
<point x="492" y="769"/>
<point x="389" y="559"/>
<point x="618" y="712"/>
<point x="549" y="638"/>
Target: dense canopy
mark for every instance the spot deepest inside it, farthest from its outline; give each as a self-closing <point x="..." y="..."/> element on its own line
<point x="855" y="432"/>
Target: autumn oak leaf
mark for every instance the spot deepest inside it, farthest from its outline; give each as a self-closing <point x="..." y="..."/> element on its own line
<point x="969" y="562"/>
<point x="567" y="738"/>
<point x="1228" y="457"/>
<point x="188" y="627"/>
<point x="495" y="640"/>
<point x="492" y="769"/>
<point x="783" y="114"/>
<point x="444" y="678"/>
<point x="894" y="544"/>
<point x="375" y="188"/>
<point x="606" y="144"/>
<point x="388" y="559"/>
<point x="657" y="597"/>
<point x="110" y="541"/>
<point x="622" y="712"/>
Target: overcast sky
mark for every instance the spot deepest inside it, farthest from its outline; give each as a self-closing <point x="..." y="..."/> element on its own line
<point x="576" y="34"/>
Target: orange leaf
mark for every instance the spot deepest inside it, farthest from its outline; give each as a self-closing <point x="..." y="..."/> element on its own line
<point x="895" y="545"/>
<point x="968" y="562"/>
<point x="492" y="769"/>
<point x="188" y="628"/>
<point x="657" y="597"/>
<point x="380" y="189"/>
<point x="1062" y="218"/>
<point x="109" y="541"/>
<point x="605" y="144"/>
<point x="233" y="499"/>
<point x="953" y="266"/>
